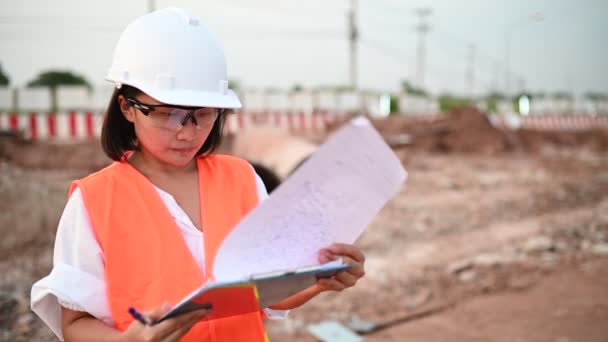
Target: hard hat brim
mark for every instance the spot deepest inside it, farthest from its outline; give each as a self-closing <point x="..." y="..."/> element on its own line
<point x="191" y="98"/>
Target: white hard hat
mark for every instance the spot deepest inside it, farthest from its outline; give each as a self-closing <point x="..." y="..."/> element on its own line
<point x="171" y="56"/>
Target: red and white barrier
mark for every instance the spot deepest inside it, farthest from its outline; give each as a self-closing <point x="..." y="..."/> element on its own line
<point x="51" y="126"/>
<point x="553" y="122"/>
<point x="87" y="125"/>
<point x="300" y="122"/>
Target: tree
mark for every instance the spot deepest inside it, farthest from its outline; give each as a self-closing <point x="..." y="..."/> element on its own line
<point x="407" y="87"/>
<point x="596" y="96"/>
<point x="394" y="106"/>
<point x="297" y="88"/>
<point x="4" y="80"/>
<point x="55" y="78"/>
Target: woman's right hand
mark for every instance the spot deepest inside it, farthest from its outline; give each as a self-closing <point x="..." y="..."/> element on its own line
<point x="168" y="330"/>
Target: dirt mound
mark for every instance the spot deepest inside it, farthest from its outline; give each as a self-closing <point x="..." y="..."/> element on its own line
<point x="463" y="130"/>
<point x="469" y="130"/>
<point x="86" y="155"/>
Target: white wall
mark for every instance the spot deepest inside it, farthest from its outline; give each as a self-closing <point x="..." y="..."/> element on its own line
<point x="34" y="99"/>
<point x="73" y="98"/>
<point x="417" y="105"/>
<point x="6" y="98"/>
<point x="79" y="98"/>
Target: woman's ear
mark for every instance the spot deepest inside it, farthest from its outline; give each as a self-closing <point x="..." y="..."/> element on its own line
<point x="126" y="109"/>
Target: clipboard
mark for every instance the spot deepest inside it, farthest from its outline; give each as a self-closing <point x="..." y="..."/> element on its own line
<point x="329" y="209"/>
<point x="231" y="298"/>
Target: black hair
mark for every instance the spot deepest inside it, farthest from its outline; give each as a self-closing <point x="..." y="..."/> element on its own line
<point x="118" y="134"/>
<point x="269" y="178"/>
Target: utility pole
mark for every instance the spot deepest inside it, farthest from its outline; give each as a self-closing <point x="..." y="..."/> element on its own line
<point x="496" y="77"/>
<point x="151" y="6"/>
<point x="422" y="28"/>
<point x="470" y="72"/>
<point x="353" y="37"/>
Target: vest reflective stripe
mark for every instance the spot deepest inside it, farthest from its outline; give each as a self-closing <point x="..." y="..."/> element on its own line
<point x="147" y="261"/>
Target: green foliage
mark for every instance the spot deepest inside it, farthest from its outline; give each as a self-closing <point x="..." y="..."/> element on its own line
<point x="55" y="78"/>
<point x="594" y="96"/>
<point x="4" y="80"/>
<point x="562" y="95"/>
<point x="449" y="102"/>
<point x="492" y="102"/>
<point x="340" y="88"/>
<point x="233" y="84"/>
<point x="394" y="107"/>
<point x="410" y="89"/>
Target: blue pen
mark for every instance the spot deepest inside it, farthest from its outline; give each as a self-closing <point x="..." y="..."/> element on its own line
<point x="139" y="316"/>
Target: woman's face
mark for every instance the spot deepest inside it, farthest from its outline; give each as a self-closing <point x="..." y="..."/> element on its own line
<point x="174" y="144"/>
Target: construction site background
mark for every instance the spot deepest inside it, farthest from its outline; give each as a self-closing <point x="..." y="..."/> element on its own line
<point x="499" y="234"/>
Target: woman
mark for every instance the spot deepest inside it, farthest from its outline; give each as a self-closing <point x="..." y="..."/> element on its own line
<point x="143" y="231"/>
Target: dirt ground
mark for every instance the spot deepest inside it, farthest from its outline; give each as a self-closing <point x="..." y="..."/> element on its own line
<point x="495" y="236"/>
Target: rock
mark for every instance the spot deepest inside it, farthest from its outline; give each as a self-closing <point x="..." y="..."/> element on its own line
<point x="332" y="331"/>
<point x="489" y="260"/>
<point x="398" y="139"/>
<point x="459" y="266"/>
<point x="361" y="326"/>
<point x="600" y="249"/>
<point x="539" y="244"/>
<point x="467" y="276"/>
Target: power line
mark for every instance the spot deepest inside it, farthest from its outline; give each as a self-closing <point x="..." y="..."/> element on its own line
<point x="384" y="49"/>
<point x="271" y="34"/>
<point x="422" y="28"/>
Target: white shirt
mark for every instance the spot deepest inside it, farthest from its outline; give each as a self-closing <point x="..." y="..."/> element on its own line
<point x="77" y="280"/>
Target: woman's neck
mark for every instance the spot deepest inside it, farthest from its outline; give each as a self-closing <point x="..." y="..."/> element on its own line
<point x="152" y="167"/>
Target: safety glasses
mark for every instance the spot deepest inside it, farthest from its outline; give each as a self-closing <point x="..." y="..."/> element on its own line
<point x="175" y="117"/>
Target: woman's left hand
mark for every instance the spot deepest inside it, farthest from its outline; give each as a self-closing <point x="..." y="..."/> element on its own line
<point x="350" y="255"/>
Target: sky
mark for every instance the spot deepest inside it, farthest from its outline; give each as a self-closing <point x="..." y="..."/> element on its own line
<point x="282" y="43"/>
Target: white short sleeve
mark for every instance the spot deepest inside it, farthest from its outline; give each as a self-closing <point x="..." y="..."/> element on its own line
<point x="77" y="279"/>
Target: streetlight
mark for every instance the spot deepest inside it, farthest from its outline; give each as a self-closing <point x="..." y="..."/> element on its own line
<point x="529" y="19"/>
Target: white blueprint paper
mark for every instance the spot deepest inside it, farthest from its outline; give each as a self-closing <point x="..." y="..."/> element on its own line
<point x="332" y="197"/>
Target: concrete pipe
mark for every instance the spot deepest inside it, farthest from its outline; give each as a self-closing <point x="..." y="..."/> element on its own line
<point x="272" y="150"/>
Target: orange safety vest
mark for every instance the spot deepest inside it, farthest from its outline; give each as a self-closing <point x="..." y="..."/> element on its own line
<point x="147" y="261"/>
